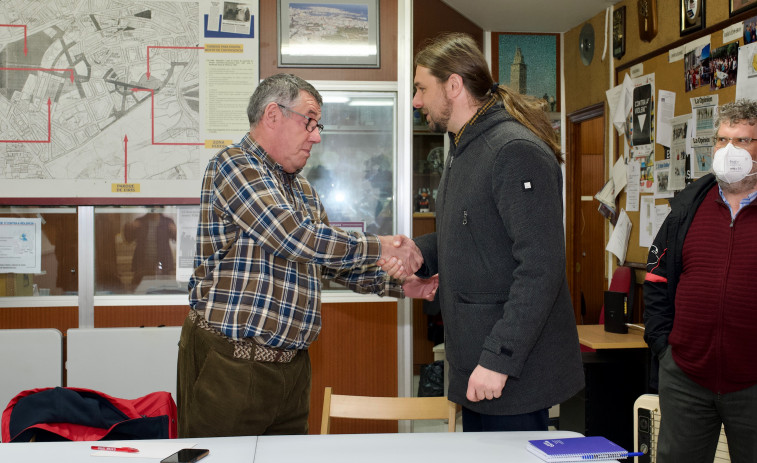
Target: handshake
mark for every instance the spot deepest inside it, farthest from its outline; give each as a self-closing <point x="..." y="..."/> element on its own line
<point x="401" y="258"/>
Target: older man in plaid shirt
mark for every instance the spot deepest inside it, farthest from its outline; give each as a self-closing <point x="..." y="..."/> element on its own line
<point x="263" y="244"/>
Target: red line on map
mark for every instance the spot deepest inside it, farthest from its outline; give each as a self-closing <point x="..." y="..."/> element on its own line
<point x="152" y="117"/>
<point x="41" y="69"/>
<point x="126" y="152"/>
<point x="18" y="25"/>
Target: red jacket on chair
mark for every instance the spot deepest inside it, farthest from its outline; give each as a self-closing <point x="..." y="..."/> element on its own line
<point x="55" y="414"/>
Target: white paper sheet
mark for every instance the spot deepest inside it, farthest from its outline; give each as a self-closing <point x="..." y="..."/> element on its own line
<point x="618" y="243"/>
<point x="666" y="105"/>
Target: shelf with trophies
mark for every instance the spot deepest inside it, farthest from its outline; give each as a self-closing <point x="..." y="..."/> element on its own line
<point x="429" y="149"/>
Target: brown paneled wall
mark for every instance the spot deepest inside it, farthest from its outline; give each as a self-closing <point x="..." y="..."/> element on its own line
<point x="432" y="17"/>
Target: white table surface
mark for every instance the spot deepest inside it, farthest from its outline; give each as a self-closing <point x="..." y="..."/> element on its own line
<point x="457" y="447"/>
<point x="222" y="450"/>
<point x="439" y="447"/>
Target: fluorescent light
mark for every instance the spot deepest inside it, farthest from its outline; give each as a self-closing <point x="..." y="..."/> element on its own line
<point x="371" y="103"/>
<point x="335" y="99"/>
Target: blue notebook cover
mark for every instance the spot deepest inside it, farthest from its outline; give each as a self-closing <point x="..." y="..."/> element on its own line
<point x="576" y="449"/>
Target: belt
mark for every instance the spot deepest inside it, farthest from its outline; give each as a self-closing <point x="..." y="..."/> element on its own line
<point x="246" y="348"/>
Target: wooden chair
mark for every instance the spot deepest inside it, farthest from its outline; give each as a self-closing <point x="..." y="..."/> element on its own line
<point x="386" y="408"/>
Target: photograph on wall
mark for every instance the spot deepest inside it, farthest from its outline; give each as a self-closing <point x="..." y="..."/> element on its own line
<point x="739" y="6"/>
<point x="750" y="30"/>
<point x="724" y="66"/>
<point x="334" y="33"/>
<point x="696" y="67"/>
<point x="692" y="16"/>
<point x="528" y="64"/>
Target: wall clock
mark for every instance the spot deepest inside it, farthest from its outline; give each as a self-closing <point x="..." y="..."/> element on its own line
<point x="647" y="19"/>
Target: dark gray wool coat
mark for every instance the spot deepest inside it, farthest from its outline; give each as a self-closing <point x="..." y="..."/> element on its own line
<point x="499" y="249"/>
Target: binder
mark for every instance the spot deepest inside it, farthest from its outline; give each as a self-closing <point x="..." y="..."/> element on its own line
<point x="593" y="448"/>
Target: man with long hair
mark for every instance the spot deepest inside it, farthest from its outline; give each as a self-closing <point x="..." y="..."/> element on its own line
<point x="499" y="245"/>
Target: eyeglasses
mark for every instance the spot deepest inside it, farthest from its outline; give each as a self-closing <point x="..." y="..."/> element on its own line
<point x="741" y="142"/>
<point x="311" y="123"/>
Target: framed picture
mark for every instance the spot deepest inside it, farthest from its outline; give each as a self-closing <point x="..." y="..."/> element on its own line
<point x="330" y="33"/>
<point x="739" y="6"/>
<point x="692" y="16"/>
<point x="528" y="63"/>
<point x="619" y="32"/>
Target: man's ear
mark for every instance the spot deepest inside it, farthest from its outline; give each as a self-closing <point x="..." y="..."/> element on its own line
<point x="271" y="114"/>
<point x="454" y="85"/>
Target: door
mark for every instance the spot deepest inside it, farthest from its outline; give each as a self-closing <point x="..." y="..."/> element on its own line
<point x="585" y="176"/>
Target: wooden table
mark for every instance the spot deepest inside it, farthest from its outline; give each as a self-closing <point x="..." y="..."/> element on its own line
<point x="617" y="373"/>
<point x="595" y="337"/>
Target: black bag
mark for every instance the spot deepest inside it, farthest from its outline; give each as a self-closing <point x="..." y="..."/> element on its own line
<point x="432" y="380"/>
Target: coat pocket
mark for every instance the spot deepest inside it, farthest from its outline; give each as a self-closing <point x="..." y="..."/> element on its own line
<point x="472" y="320"/>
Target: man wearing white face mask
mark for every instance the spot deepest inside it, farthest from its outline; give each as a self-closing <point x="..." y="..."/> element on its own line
<point x="701" y="305"/>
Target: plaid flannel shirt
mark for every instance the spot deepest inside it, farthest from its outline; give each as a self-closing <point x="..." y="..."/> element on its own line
<point x="263" y="244"/>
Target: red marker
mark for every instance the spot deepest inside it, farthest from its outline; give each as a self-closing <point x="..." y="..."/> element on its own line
<point x="115" y="449"/>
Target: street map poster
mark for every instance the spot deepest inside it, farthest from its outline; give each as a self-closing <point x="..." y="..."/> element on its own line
<point x="120" y="102"/>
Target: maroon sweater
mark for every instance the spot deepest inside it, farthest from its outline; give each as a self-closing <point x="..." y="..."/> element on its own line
<point x="714" y="337"/>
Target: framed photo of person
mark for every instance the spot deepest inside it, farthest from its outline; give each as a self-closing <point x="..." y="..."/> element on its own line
<point x="692" y="16"/>
<point x="331" y="33"/>
<point x="739" y="6"/>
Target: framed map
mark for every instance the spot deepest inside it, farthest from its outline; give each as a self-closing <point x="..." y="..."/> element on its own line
<point x="332" y="33"/>
<point x="120" y="103"/>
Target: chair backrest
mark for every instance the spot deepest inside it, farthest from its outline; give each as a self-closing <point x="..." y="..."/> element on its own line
<point x="123" y="362"/>
<point x="386" y="408"/>
<point x="31" y="358"/>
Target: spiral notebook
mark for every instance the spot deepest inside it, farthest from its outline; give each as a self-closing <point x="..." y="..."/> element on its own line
<point x="594" y="448"/>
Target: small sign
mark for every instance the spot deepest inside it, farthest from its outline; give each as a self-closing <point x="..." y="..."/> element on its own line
<point x="124" y="187"/>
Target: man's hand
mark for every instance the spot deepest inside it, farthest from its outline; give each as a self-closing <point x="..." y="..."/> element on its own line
<point x="421" y="288"/>
<point x="485" y="384"/>
<point x="400" y="257"/>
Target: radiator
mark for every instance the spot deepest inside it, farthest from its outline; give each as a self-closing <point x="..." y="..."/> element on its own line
<point x="646" y="422"/>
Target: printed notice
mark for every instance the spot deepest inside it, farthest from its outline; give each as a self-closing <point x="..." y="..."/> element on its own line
<point x="186" y="219"/>
<point x="228" y="91"/>
<point x="20" y="245"/>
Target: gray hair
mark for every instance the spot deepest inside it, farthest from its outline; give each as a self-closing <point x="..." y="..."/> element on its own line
<point x="283" y="89"/>
<point x="742" y="110"/>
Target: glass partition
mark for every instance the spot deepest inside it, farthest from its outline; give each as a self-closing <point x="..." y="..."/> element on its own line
<point x="54" y="247"/>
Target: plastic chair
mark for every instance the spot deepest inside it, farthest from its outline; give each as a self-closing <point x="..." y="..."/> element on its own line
<point x="123" y="362"/>
<point x="31" y="358"/>
<point x="386" y="408"/>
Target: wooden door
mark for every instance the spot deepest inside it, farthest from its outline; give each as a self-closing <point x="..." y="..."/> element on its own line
<point x="585" y="176"/>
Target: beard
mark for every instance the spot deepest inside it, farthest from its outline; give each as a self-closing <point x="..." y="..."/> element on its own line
<point x="439" y="123"/>
<point x="743" y="186"/>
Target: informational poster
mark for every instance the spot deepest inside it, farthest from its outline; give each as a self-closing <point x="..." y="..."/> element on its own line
<point x="641" y="118"/>
<point x="20" y="245"/>
<point x="186" y="239"/>
<point x="107" y="102"/>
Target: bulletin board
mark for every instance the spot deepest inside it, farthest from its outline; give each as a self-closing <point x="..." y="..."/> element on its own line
<point x="671" y="77"/>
